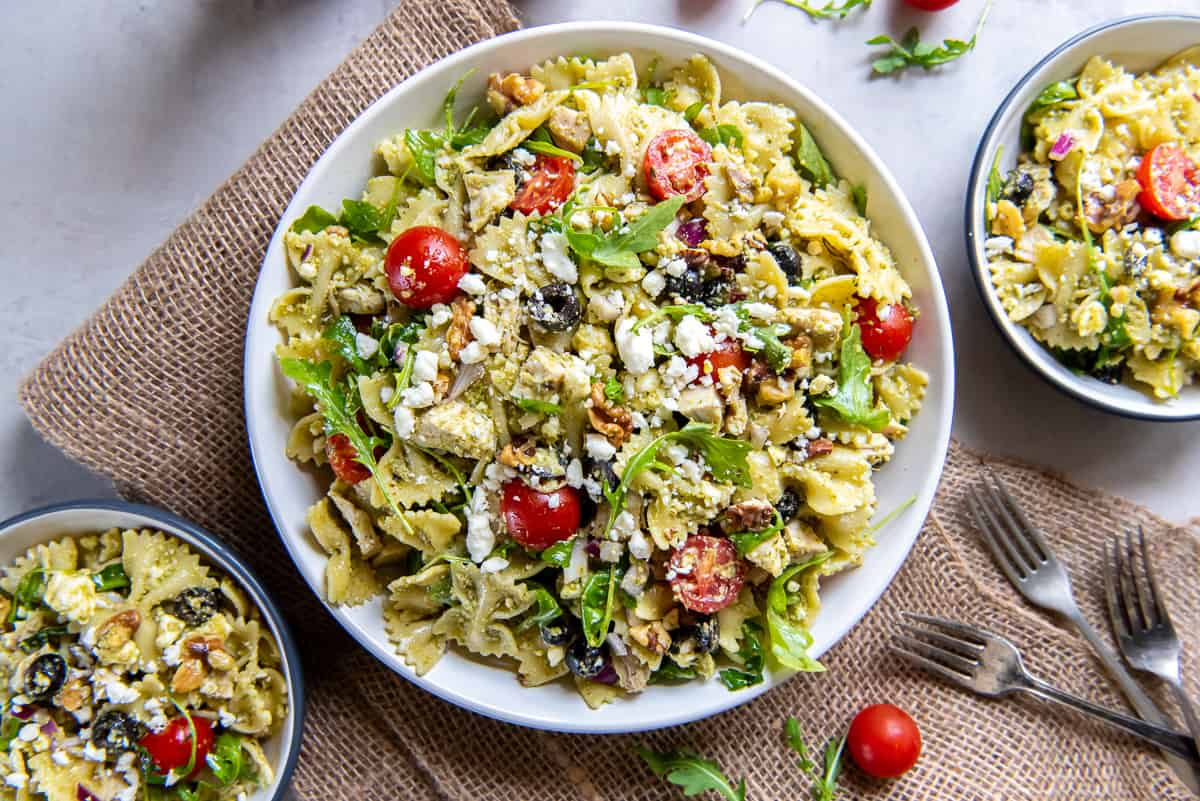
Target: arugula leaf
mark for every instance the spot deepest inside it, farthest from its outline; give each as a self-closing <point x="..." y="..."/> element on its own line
<point x="343" y="333"/>
<point x="439" y="592"/>
<point x="693" y="773"/>
<point x="789" y="640"/>
<point x="1115" y="336"/>
<point x="621" y="246"/>
<point x="750" y="652"/>
<point x="1182" y="225"/>
<point x="614" y="390"/>
<point x="193" y="739"/>
<point x="825" y="778"/>
<point x="777" y="354"/>
<point x="995" y="182"/>
<point x="547" y="607"/>
<point x="28" y="594"/>
<point x="676" y="312"/>
<point x="722" y="135"/>
<point x="747" y="541"/>
<point x="558" y="554"/>
<point x="810" y="161"/>
<point x="651" y="94"/>
<point x="314" y="220"/>
<point x="693" y="111"/>
<point x="40" y="638"/>
<point x="795" y="741"/>
<point x="363" y="220"/>
<point x="1052" y="95"/>
<point x="548" y="149"/>
<point x="859" y="193"/>
<point x="424" y="147"/>
<point x="389" y="339"/>
<point x="317" y="381"/>
<point x="831" y="10"/>
<point x="669" y="671"/>
<point x="226" y="760"/>
<point x="854" y="400"/>
<point x="912" y="52"/>
<point x="593" y="156"/>
<point x="8" y="731"/>
<point x="448" y="104"/>
<point x="596" y="604"/>
<point x="111" y="577"/>
<point x="538" y="406"/>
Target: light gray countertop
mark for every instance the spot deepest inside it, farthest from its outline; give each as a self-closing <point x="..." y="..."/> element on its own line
<point x="121" y="117"/>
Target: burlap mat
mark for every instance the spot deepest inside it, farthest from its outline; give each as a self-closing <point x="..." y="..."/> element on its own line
<point x="149" y="393"/>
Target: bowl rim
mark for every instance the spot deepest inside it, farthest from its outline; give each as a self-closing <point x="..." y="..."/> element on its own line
<point x="926" y="262"/>
<point x="1060" y="378"/>
<point x="228" y="561"/>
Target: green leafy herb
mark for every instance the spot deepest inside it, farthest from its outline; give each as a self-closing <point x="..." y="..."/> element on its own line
<point x="912" y="52"/>
<point x="777" y="354"/>
<point x="8" y="731"/>
<point x="425" y="146"/>
<point x="789" y="640"/>
<point x="751" y="655"/>
<point x="40" y="638"/>
<point x="1115" y="336"/>
<point x="722" y="135"/>
<point x="187" y="769"/>
<point x="859" y="193"/>
<point x="314" y="220"/>
<point x="449" y="466"/>
<point x="1052" y="95"/>
<point x="676" y="312"/>
<point x="111" y="577"/>
<point x="824" y="778"/>
<point x="558" y="554"/>
<point x="614" y="390"/>
<point x="317" y="381"/>
<point x="547" y="607"/>
<point x="1183" y="225"/>
<point x="226" y="759"/>
<point x="693" y="111"/>
<point x="810" y="161"/>
<point x="363" y="220"/>
<point x="995" y="183"/>
<point x="540" y="141"/>
<point x="892" y="515"/>
<point x="440" y="591"/>
<point x="854" y="400"/>
<point x="831" y="10"/>
<point x="652" y="94"/>
<point x="693" y="773"/>
<point x="620" y="247"/>
<point x="343" y="333"/>
<point x="28" y="595"/>
<point x="538" y="406"/>
<point x="747" y="541"/>
<point x="596" y="604"/>
<point x="593" y="156"/>
<point x="408" y="333"/>
<point x="669" y="672"/>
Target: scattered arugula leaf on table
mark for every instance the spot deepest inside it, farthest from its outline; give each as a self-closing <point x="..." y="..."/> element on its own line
<point x="912" y="52"/>
<point x="824" y="777"/>
<point x="831" y="10"/>
<point x="693" y="773"/>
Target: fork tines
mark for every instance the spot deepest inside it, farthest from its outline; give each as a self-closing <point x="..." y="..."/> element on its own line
<point x="1015" y="543"/>
<point x="949" y="649"/>
<point x="1134" y="602"/>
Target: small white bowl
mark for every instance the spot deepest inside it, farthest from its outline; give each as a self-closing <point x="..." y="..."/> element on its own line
<point x="1138" y="43"/>
<point x="342" y="172"/>
<point x="19" y="534"/>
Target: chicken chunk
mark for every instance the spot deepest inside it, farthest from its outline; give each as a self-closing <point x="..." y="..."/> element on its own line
<point x="569" y="128"/>
<point x="456" y="428"/>
<point x="702" y="404"/>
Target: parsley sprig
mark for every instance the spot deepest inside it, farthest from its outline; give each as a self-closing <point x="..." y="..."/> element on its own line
<point x="854" y="400"/>
<point x="912" y="52"/>
<point x="831" y="10"/>
<point x="824" y="776"/>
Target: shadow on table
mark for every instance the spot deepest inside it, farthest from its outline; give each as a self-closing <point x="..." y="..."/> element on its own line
<point x="37" y="474"/>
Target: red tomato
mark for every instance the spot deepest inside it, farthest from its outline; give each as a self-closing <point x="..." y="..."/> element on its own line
<point x="172" y="747"/>
<point x="676" y="163"/>
<point x="550" y="183"/>
<point x="931" y="5"/>
<point x="886" y="330"/>
<point x="1170" y="184"/>
<point x="728" y="354"/>
<point x="884" y="741"/>
<point x="706" y="573"/>
<point x="538" y="519"/>
<point x="343" y="458"/>
<point x="424" y="265"/>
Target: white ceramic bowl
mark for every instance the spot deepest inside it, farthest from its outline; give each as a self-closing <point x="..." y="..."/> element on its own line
<point x="22" y="532"/>
<point x="1137" y="43"/>
<point x="342" y="172"/>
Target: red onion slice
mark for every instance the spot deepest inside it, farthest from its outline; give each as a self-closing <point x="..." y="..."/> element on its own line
<point x="607" y="675"/>
<point x="84" y="794"/>
<point x="468" y="374"/>
<point x="22" y="712"/>
<point x="693" y="232"/>
<point x="1062" y="147"/>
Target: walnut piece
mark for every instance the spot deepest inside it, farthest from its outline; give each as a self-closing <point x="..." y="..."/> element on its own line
<point x="751" y="515"/>
<point x="210" y="650"/>
<point x="518" y="454"/>
<point x="819" y="447"/>
<point x="613" y="421"/>
<point x="189" y="675"/>
<point x="72" y="696"/>
<point x="510" y="91"/>
<point x="1113" y="206"/>
<point x="118" y="629"/>
<point x="652" y="636"/>
<point x="458" y="335"/>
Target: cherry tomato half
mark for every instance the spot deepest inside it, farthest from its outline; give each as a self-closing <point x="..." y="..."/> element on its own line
<point x="172" y="747"/>
<point x="884" y="741"/>
<point x="728" y="354"/>
<point x="538" y="519"/>
<point x="886" y="330"/>
<point x="424" y="265"/>
<point x="551" y="180"/>
<point x="931" y="5"/>
<point x="676" y="163"/>
<point x="706" y="573"/>
<point x="1170" y="183"/>
<point x="343" y="458"/>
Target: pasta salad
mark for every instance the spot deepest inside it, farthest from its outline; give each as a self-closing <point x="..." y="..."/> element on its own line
<point x="1093" y="246"/>
<point x="132" y="671"/>
<point x="602" y="374"/>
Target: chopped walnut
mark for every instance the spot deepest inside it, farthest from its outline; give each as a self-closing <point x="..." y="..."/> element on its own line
<point x="210" y="650"/>
<point x="819" y="447"/>
<point x="518" y="454"/>
<point x="802" y="351"/>
<point x="1113" y="206"/>
<point x="189" y="675"/>
<point x="751" y="515"/>
<point x="458" y="335"/>
<point x="118" y="629"/>
<point x="742" y="183"/>
<point x="507" y="93"/>
<point x="613" y="421"/>
<point x="72" y="696"/>
<point x="652" y="636"/>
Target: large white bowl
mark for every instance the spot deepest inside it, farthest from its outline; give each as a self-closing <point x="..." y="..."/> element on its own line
<point x="1138" y="44"/>
<point x="19" y="534"/>
<point x="342" y="172"/>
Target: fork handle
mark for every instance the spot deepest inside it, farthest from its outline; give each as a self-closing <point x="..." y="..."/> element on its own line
<point x="1189" y="711"/>
<point x="1166" y="739"/>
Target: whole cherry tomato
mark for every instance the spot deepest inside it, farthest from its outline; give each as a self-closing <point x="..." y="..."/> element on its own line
<point x="343" y="458"/>
<point x="1170" y="183"/>
<point x="706" y="573"/>
<point x="931" y="5"/>
<point x="424" y="265"/>
<point x="886" y="330"/>
<point x="676" y="163"/>
<point x="884" y="741"/>
<point x="171" y="748"/>
<point x="537" y="519"/>
<point x="728" y="354"/>
<point x="551" y="181"/>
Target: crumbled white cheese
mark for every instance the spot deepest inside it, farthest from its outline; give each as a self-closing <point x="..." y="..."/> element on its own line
<point x="523" y="157"/>
<point x="636" y="348"/>
<point x="473" y="353"/>
<point x="639" y="547"/>
<point x="557" y="259"/>
<point x="158" y="719"/>
<point x="611" y="551"/>
<point x="403" y="421"/>
<point x="575" y="473"/>
<point x="772" y="220"/>
<point x="576" y="567"/>
<point x="676" y="267"/>
<point x="598" y="448"/>
<point x="28" y="733"/>
<point x="493" y="564"/>
<point x="472" y="284"/>
<point x="366" y="345"/>
<point x="108" y="685"/>
<point x="997" y="245"/>
<point x="92" y="753"/>
<point x="612" y="147"/>
<point x="480" y="537"/>
<point x="73" y="595"/>
<point x="385" y="394"/>
<point x="762" y="311"/>
<point x="485" y="332"/>
<point x="16" y="780"/>
<point x="439" y="315"/>
<point x="418" y="396"/>
<point x="607" y="307"/>
<point x="654" y="283"/>
<point x="1186" y="244"/>
<point x="693" y="337"/>
<point x="60" y="757"/>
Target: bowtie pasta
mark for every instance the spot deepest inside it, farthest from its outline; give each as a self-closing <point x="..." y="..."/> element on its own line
<point x="131" y="670"/>
<point x="602" y="376"/>
<point x="1093" y="245"/>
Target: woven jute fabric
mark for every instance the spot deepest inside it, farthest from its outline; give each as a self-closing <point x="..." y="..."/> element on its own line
<point x="149" y="393"/>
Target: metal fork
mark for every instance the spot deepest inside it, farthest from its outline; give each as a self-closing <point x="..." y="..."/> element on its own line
<point x="1139" y="619"/>
<point x="1023" y="555"/>
<point x="990" y="665"/>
